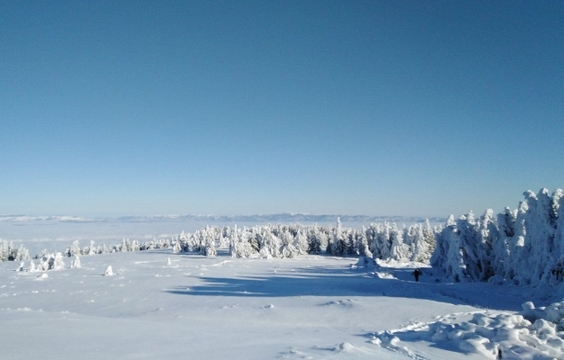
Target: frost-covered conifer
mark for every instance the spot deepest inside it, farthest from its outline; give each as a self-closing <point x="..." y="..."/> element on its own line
<point x="91" y="250"/>
<point x="501" y="251"/>
<point x="518" y="255"/>
<point x="270" y="245"/>
<point x="75" y="263"/>
<point x="314" y="243"/>
<point x="525" y="245"/>
<point x="9" y="253"/>
<point x="109" y="271"/>
<point x="467" y="237"/>
<point x="254" y="238"/>
<point x="106" y="249"/>
<point x="240" y="245"/>
<point x="351" y="248"/>
<point x="540" y="233"/>
<point x="448" y="253"/>
<point x="22" y="253"/>
<point x="4" y="250"/>
<point x="44" y="261"/>
<point x="73" y="250"/>
<point x="553" y="268"/>
<point x="57" y="262"/>
<point x="371" y="236"/>
<point x="209" y="248"/>
<point x="125" y="245"/>
<point x="338" y="243"/>
<point x="398" y="250"/>
<point x="300" y="243"/>
<point x="287" y="248"/>
<point x="361" y="244"/>
<point x="418" y="246"/>
<point x="383" y="242"/>
<point x="177" y="248"/>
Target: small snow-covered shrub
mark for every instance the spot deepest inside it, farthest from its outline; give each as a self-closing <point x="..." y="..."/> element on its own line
<point x="32" y="267"/>
<point x="49" y="261"/>
<point x="74" y="249"/>
<point x="75" y="263"/>
<point x="109" y="271"/>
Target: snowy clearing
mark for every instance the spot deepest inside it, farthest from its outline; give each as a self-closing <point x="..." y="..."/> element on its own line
<point x="156" y="304"/>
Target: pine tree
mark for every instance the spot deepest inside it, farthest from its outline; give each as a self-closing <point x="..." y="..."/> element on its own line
<point x="398" y="250"/>
<point x="75" y="263"/>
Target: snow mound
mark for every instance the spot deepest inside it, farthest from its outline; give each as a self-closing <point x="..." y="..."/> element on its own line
<point x="364" y="262"/>
<point x="385" y="275"/>
<point x="553" y="313"/>
<point x="388" y="340"/>
<point x="493" y="336"/>
<point x="344" y="347"/>
<point x="345" y="303"/>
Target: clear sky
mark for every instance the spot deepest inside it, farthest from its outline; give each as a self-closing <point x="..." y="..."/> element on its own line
<point x="243" y="107"/>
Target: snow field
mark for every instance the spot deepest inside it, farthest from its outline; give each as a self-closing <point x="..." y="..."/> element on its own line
<point x="163" y="305"/>
<point x="309" y="307"/>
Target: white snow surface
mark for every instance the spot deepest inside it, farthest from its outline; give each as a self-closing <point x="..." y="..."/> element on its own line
<point x="160" y="305"/>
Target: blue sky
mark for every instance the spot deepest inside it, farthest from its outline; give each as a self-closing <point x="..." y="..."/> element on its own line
<point x="241" y="107"/>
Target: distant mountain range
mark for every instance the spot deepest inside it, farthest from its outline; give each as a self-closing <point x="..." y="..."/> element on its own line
<point x="22" y="218"/>
<point x="259" y="218"/>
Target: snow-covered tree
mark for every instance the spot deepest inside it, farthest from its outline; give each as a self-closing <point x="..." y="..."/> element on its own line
<point x="91" y="250"/>
<point x="337" y="243"/>
<point x="448" y="253"/>
<point x="314" y="242"/>
<point x="525" y="246"/>
<point x="361" y="244"/>
<point x="109" y="271"/>
<point x="301" y="242"/>
<point x="73" y="250"/>
<point x="10" y="253"/>
<point x="398" y="250"/>
<point x="75" y="263"/>
<point x="421" y="241"/>
<point x="287" y="248"/>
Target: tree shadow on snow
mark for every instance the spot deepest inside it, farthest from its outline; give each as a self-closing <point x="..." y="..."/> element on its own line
<point x="347" y="282"/>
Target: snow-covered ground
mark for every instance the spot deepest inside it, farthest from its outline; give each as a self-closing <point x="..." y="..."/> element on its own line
<point x="160" y="305"/>
<point x="313" y="307"/>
